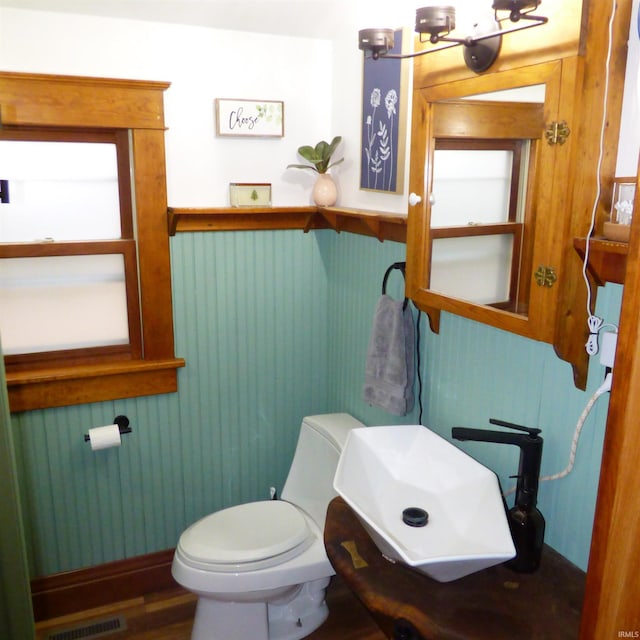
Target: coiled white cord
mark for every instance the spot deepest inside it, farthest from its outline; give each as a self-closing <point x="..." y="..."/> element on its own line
<point x="595" y="324"/>
<point x="602" y="389"/>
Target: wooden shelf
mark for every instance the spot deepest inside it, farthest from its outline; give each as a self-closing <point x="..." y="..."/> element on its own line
<point x="239" y="219"/>
<point x="383" y="226"/>
<point x="607" y="259"/>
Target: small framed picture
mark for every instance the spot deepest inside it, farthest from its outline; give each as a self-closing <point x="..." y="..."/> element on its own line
<point x="250" y="194"/>
<point x="257" y="118"/>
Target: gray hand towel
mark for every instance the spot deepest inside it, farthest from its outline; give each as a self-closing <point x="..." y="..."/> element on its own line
<point x="389" y="370"/>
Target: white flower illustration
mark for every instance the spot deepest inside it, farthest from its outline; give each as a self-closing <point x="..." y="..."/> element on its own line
<point x="378" y="140"/>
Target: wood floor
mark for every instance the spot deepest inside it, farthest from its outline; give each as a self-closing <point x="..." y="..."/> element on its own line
<point x="168" y="616"/>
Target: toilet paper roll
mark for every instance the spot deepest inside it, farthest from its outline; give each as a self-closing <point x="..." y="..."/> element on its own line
<point x="104" y="437"/>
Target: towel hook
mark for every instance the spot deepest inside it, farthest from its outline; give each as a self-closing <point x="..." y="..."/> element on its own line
<point x="401" y="266"/>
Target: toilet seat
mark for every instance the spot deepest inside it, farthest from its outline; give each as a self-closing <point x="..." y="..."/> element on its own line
<point x="247" y="537"/>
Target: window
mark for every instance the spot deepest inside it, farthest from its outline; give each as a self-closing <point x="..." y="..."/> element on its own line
<point x="83" y="257"/>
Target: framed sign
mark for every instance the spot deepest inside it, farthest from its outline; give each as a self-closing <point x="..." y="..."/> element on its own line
<point x="261" y="118"/>
<point x="250" y="194"/>
<point x="384" y="121"/>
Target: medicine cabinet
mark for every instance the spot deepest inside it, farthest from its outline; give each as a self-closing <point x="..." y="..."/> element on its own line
<point x="502" y="175"/>
<point x="489" y="181"/>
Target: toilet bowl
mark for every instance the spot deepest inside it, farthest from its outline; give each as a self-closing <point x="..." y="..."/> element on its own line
<point x="260" y="569"/>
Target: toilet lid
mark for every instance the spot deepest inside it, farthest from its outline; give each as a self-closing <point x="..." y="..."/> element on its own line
<point x="246" y="534"/>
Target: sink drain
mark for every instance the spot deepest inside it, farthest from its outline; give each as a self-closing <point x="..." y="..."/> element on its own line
<point x="415" y="517"/>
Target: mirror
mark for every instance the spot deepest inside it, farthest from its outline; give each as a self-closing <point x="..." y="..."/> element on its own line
<point x="488" y="181"/>
<point x="479" y="207"/>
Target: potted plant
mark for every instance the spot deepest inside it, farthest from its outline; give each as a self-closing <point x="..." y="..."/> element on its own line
<point x="324" y="191"/>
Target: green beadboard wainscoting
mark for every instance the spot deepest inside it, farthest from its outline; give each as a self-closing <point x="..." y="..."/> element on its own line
<point x="472" y="372"/>
<point x="275" y="326"/>
<point x="251" y="321"/>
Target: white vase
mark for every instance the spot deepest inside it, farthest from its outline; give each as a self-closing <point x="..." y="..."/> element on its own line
<point x="325" y="192"/>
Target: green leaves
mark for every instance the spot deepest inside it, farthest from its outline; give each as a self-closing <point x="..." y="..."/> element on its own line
<point x="319" y="156"/>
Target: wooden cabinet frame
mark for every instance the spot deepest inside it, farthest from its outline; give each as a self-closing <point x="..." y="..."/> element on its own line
<point x="575" y="75"/>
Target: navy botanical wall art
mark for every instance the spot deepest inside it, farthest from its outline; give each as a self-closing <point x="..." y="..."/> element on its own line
<point x="383" y="122"/>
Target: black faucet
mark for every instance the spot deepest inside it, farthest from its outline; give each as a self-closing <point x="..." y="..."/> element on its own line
<point x="525" y="520"/>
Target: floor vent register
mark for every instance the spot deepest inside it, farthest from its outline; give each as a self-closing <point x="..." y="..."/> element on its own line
<point x="88" y="631"/>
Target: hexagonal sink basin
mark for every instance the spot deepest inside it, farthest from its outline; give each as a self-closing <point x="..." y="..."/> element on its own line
<point x="390" y="476"/>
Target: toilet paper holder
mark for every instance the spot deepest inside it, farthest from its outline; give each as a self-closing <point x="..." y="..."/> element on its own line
<point x="123" y="426"/>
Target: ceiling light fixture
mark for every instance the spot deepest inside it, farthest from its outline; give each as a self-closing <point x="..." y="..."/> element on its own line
<point x="435" y="24"/>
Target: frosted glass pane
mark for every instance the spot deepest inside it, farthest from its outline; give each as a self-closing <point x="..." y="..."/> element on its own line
<point x="470" y="186"/>
<point x="474" y="268"/>
<point x="67" y="302"/>
<point x="59" y="190"/>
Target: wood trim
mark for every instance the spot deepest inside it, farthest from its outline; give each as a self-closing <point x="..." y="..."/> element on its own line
<point x="475" y="230"/>
<point x="153" y="244"/>
<point x="71" y="248"/>
<point x="240" y="219"/>
<point x="64" y="593"/>
<point x="571" y="330"/>
<point x="40" y="389"/>
<point x="69" y="101"/>
<point x="613" y="588"/>
<point x="490" y="120"/>
<point x="381" y="225"/>
<point x="607" y="259"/>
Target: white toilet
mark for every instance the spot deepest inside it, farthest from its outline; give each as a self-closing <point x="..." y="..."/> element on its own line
<point x="260" y="569"/>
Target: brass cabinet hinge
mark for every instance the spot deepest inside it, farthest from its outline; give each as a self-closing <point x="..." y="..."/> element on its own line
<point x="545" y="276"/>
<point x="557" y="132"/>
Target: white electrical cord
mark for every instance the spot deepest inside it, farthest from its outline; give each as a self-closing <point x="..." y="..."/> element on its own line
<point x="602" y="389"/>
<point x="594" y="322"/>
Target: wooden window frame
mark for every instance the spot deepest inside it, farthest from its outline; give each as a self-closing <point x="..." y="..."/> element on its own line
<point x="135" y="109"/>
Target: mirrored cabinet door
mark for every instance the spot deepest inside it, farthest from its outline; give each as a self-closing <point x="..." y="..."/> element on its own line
<point x="493" y="197"/>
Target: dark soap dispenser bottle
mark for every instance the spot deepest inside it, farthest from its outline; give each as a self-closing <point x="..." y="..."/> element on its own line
<point x="525" y="520"/>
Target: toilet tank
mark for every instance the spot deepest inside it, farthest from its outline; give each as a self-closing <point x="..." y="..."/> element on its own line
<point x="309" y="484"/>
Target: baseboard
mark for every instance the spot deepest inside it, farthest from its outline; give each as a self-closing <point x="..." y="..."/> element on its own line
<point x="64" y="593"/>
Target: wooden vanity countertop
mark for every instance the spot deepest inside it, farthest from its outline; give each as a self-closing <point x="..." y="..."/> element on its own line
<point x="492" y="604"/>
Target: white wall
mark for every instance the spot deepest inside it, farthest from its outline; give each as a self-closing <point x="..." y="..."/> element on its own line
<point x="347" y="91"/>
<point x="320" y="82"/>
<point x="201" y="64"/>
<point x="629" y="145"/>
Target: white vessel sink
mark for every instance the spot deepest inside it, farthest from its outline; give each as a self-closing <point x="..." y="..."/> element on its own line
<point x="384" y="470"/>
